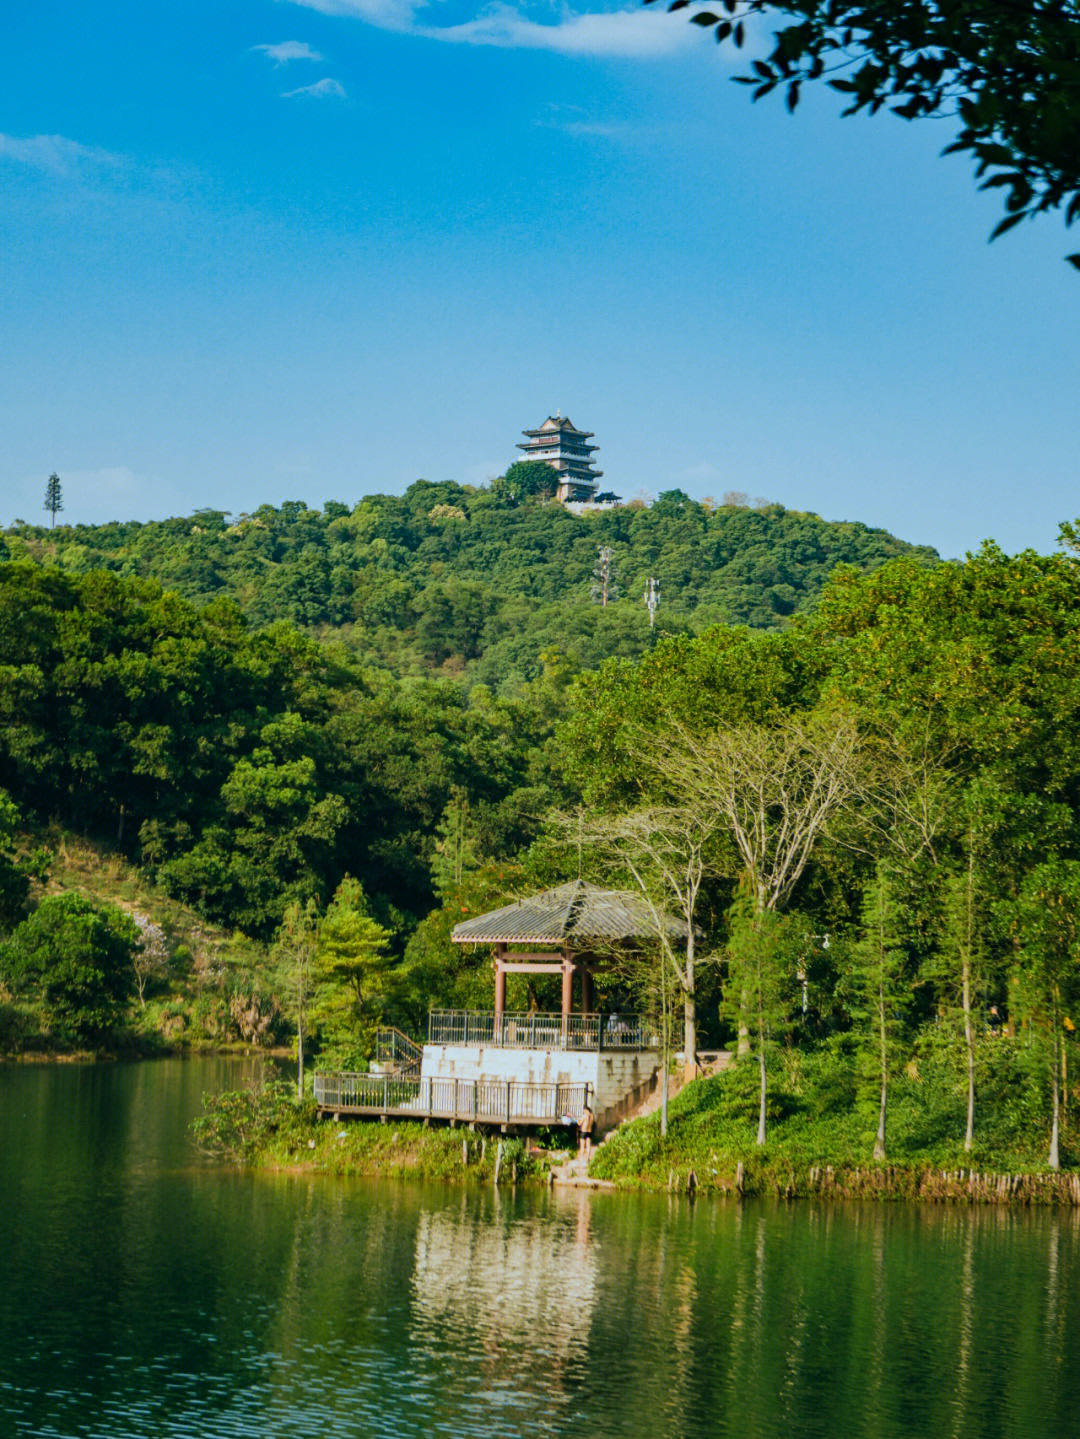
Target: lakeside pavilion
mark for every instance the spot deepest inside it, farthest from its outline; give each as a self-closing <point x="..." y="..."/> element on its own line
<point x="514" y="1070"/>
<point x="580" y="926"/>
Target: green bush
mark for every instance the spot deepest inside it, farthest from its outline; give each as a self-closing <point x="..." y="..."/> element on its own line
<point x="76" y="960"/>
<point x="237" y="1124"/>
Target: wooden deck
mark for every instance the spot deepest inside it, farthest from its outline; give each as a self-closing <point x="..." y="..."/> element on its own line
<point x="475" y="1101"/>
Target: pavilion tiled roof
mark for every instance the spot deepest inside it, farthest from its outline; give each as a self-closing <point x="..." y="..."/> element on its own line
<point x="572" y="914"/>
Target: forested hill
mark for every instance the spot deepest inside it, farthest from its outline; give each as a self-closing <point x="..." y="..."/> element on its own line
<point x="475" y="582"/>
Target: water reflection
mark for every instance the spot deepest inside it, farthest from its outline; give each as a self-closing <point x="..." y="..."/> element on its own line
<point x="145" y="1293"/>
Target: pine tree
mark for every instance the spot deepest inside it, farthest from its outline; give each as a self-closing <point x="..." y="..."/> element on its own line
<point x="54" y="499"/>
<point x="455" y="847"/>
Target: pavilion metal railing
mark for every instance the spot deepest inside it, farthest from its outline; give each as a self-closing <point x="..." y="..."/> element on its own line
<point x="540" y="1031"/>
<point x="491" y="1101"/>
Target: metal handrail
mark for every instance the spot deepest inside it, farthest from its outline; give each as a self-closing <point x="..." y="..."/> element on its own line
<point x="540" y="1031"/>
<point x="394" y="1047"/>
<point x="491" y="1101"/>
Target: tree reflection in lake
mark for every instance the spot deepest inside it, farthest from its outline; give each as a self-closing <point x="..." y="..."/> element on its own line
<point x="144" y="1293"/>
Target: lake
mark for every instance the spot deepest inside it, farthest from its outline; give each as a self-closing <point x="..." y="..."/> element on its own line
<point x="145" y="1291"/>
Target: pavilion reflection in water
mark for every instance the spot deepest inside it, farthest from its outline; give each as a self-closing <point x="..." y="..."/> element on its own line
<point x="505" y="1290"/>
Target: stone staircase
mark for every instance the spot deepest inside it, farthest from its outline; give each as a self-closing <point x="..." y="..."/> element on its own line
<point x="574" y="1172"/>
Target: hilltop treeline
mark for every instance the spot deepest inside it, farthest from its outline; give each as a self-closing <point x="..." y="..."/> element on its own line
<point x="476" y="582"/>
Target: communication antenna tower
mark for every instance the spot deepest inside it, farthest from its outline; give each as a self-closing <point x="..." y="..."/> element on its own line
<point x="604" y="587"/>
<point x="652" y="599"/>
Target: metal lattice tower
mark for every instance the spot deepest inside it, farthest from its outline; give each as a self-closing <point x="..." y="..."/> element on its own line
<point x="652" y="599"/>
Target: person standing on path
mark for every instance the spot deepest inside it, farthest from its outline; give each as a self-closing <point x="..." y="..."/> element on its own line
<point x="586" y="1125"/>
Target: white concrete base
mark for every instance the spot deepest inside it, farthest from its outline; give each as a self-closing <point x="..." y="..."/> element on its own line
<point x="619" y="1078"/>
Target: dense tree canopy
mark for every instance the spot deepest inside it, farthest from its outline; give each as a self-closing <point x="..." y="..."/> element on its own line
<point x="480" y="584"/>
<point x="247" y="768"/>
<point x="78" y="959"/>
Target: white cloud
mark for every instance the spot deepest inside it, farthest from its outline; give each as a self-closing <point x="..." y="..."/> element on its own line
<point x="57" y="154"/>
<point x="623" y="34"/>
<point x="321" y="90"/>
<point x="386" y="14"/>
<point x="288" y="50"/>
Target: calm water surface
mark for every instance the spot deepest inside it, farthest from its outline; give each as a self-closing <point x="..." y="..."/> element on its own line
<point x="145" y="1292"/>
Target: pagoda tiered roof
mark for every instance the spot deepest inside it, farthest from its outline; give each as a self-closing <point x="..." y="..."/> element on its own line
<point x="560" y="444"/>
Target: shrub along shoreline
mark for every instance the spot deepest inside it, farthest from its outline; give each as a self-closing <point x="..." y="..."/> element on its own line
<point x="708" y="1149"/>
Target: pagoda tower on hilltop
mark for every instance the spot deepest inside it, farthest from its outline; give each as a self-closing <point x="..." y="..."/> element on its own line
<point x="558" y="444"/>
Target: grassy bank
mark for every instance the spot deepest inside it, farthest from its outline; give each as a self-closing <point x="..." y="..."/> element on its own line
<point x="263" y="1127"/>
<point x="822" y="1118"/>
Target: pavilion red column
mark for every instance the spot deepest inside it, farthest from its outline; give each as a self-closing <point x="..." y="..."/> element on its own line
<point x="586" y="990"/>
<point x="500" y="982"/>
<point x="567" y="991"/>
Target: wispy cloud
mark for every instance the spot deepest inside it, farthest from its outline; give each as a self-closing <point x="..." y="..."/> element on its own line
<point x="322" y="90"/>
<point x="573" y="120"/>
<point x="288" y="50"/>
<point x="621" y="34"/>
<point x="635" y="33"/>
<point x="57" y="154"/>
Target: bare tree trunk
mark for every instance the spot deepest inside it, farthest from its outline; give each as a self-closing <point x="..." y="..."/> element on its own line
<point x="689" y="1011"/>
<point x="665" y="1052"/>
<point x="969" y="1040"/>
<point x="969" y="1033"/>
<point x="689" y="1036"/>
<point x="1055" y="1156"/>
<point x="300" y="1050"/>
<point x="761" y="1108"/>
<point x="879" y="1142"/>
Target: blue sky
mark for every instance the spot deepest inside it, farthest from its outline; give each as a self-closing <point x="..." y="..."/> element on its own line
<point x="253" y="250"/>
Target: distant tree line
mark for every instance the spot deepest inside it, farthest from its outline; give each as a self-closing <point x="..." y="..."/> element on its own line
<point x="480" y="583"/>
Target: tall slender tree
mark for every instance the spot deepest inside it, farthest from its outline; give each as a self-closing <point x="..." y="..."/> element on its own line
<point x="668" y="850"/>
<point x="877" y="987"/>
<point x="295" y="950"/>
<point x="763" y="953"/>
<point x="54" y="498"/>
<point x="1047" y="916"/>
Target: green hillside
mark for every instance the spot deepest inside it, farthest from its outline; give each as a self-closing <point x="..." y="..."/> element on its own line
<point x="474" y="583"/>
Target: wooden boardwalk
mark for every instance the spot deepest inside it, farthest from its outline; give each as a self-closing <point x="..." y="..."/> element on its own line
<point x="475" y="1101"/>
